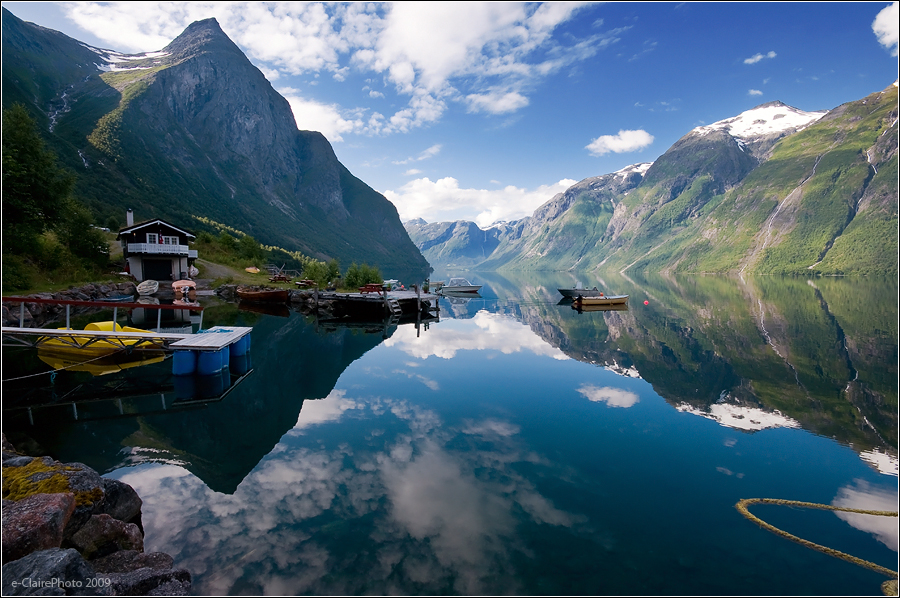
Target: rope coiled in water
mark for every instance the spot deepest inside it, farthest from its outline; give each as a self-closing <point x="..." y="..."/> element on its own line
<point x="742" y="505"/>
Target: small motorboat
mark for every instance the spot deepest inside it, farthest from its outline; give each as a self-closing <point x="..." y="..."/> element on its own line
<point x="252" y="270"/>
<point x="263" y="295"/>
<point x="460" y="285"/>
<point x="582" y="302"/>
<point x="580" y="290"/>
<point x="148" y="287"/>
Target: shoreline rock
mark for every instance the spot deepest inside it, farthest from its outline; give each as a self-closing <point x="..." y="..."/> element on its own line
<point x="38" y="314"/>
<point x="69" y="531"/>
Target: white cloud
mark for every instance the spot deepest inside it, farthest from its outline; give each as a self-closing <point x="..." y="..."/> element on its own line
<point x="757" y="57"/>
<point x="483" y="332"/>
<point x="861" y="495"/>
<point x="428" y="153"/>
<point x="754" y="92"/>
<point x="496" y="102"/>
<point x="614" y="397"/>
<point x="624" y="141"/>
<point x="484" y="54"/>
<point x="325" y="118"/>
<point x="886" y="27"/>
<point x="445" y="200"/>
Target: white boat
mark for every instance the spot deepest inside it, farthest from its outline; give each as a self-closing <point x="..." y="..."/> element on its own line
<point x="580" y="291"/>
<point x="460" y="285"/>
<point x="148" y="287"/>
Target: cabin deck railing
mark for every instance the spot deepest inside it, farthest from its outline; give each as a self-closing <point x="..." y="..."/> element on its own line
<point x="161" y="249"/>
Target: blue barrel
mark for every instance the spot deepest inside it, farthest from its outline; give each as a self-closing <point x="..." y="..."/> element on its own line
<point x="184" y="388"/>
<point x="209" y="387"/>
<point x="209" y="362"/>
<point x="184" y="363"/>
<point x="240" y="346"/>
<point x="240" y="364"/>
<point x="224" y="354"/>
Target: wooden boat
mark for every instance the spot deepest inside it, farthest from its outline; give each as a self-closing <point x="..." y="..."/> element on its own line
<point x="580" y="290"/>
<point x="148" y="287"/>
<point x="582" y="302"/>
<point x="263" y="295"/>
<point x="611" y="307"/>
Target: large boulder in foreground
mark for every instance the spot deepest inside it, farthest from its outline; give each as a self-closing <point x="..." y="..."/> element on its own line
<point x="69" y="531"/>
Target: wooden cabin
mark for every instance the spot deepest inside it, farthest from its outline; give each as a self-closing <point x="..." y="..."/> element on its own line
<point x="156" y="250"/>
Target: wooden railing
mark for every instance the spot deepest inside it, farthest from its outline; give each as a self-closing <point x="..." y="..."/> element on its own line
<point x="161" y="249"/>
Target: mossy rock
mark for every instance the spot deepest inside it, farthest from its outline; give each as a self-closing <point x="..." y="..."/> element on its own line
<point x="46" y="476"/>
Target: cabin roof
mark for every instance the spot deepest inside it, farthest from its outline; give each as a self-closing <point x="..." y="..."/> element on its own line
<point x="155" y="222"/>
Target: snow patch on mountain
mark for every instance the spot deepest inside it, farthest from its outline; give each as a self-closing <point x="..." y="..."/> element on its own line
<point x="767" y="119"/>
<point x="639" y="168"/>
<point x="110" y="60"/>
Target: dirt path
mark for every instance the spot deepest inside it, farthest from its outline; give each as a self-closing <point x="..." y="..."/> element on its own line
<point x="210" y="272"/>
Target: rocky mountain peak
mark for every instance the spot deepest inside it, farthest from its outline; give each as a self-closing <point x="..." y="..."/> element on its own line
<point x="771" y="118"/>
<point x="200" y="36"/>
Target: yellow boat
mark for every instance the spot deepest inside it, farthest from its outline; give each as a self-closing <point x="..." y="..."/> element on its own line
<point x="92" y="346"/>
<point x="97" y="366"/>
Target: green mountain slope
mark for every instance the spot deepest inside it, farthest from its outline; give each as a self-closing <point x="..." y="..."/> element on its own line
<point x="197" y="130"/>
<point x="772" y="191"/>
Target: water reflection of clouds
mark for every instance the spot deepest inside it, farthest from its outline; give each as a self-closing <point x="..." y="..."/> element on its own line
<point x="430" y="505"/>
<point x="862" y="495"/>
<point x="614" y="397"/>
<point x="485" y="331"/>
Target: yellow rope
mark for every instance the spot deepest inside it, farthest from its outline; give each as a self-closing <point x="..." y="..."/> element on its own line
<point x="741" y="506"/>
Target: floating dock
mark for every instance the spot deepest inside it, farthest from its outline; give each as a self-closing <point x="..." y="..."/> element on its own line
<point x="205" y="353"/>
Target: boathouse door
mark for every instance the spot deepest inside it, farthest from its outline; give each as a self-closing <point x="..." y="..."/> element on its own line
<point x="157" y="269"/>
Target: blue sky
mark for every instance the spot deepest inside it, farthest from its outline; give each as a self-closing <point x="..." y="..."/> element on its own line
<point x="483" y="111"/>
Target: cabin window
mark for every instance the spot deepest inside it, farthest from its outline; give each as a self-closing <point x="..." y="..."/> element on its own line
<point x="152" y="238"/>
<point x="170" y="240"/>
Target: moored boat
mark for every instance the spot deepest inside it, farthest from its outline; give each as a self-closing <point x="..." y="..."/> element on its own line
<point x="263" y="295"/>
<point x="181" y="284"/>
<point x="579" y="290"/>
<point x="148" y="287"/>
<point x="91" y="345"/>
<point x="601" y="299"/>
<point x="460" y="285"/>
<point x="116" y="299"/>
<point x="61" y="359"/>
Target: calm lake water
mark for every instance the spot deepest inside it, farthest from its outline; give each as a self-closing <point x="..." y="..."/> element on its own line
<point x="516" y="446"/>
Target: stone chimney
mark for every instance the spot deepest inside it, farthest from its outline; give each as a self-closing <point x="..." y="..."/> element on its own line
<point x="129" y="218"/>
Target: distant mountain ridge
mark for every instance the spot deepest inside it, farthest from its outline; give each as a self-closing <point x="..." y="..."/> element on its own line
<point x="196" y="130"/>
<point x="772" y="190"/>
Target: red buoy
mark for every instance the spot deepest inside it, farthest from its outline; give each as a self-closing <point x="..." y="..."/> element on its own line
<point x="646" y="303"/>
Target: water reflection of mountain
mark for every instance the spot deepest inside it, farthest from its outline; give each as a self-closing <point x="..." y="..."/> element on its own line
<point x="822" y="353"/>
<point x="222" y="442"/>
